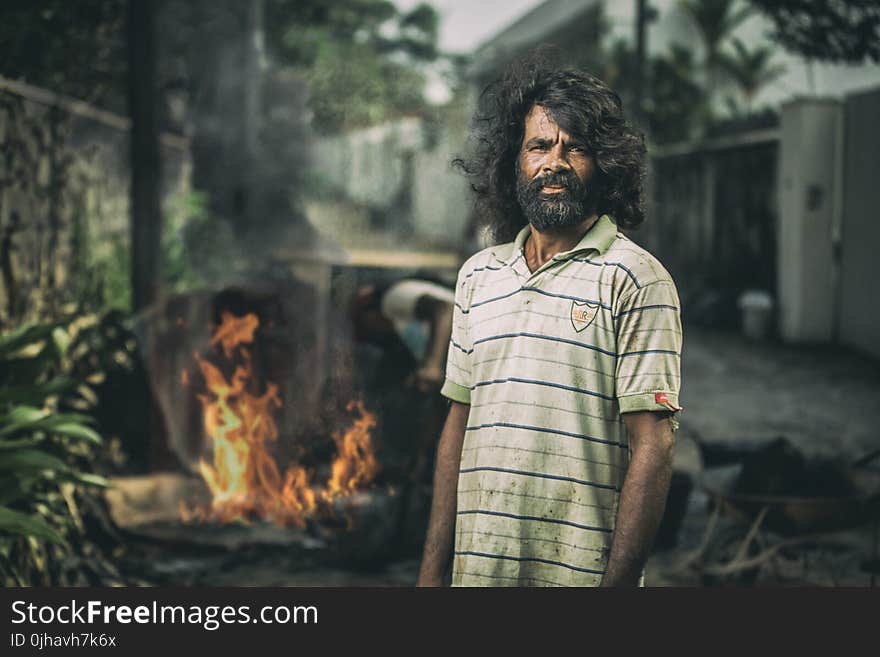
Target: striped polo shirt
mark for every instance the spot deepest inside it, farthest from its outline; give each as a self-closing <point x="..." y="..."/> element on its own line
<point x="548" y="361"/>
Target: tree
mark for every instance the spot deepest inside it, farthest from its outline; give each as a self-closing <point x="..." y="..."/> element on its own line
<point x="716" y="20"/>
<point x="828" y="30"/>
<point x="145" y="214"/>
<point x="673" y="101"/>
<point x="750" y="70"/>
<point x="358" y="56"/>
<point x="73" y="48"/>
<point x="676" y="99"/>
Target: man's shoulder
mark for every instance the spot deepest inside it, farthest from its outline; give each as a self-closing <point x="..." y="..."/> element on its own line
<point x="489" y="259"/>
<point x="641" y="266"/>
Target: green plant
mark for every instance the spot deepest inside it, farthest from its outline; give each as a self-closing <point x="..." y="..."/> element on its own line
<point x="750" y="70"/>
<point x="48" y="452"/>
<point x="185" y="214"/>
<point x="676" y="102"/>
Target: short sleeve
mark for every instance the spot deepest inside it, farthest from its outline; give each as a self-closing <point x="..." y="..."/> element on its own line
<point x="648" y="329"/>
<point x="400" y="300"/>
<point x="459" y="378"/>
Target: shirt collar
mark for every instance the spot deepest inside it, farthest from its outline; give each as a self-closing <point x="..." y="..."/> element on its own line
<point x="598" y="238"/>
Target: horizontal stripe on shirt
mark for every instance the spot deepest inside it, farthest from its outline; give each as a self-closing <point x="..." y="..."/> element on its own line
<point x="548" y="384"/>
<point x="533" y="559"/>
<point x="542" y="475"/>
<point x="514" y="516"/>
<point x="557" y="432"/>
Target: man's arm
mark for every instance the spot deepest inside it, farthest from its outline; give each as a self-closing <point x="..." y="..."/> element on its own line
<point x="643" y="496"/>
<point x="441" y="527"/>
<point x="438" y="314"/>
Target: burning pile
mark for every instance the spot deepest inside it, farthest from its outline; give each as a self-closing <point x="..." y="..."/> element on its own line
<point x="244" y="478"/>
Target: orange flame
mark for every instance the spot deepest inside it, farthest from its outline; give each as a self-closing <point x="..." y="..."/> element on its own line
<point x="355" y="465"/>
<point x="244" y="479"/>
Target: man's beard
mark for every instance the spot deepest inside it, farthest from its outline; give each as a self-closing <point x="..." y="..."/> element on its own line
<point x="562" y="209"/>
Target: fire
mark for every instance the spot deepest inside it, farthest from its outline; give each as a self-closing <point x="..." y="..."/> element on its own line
<point x="355" y="465"/>
<point x="244" y="478"/>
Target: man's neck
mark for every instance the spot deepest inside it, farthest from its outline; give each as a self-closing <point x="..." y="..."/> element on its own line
<point x="541" y="246"/>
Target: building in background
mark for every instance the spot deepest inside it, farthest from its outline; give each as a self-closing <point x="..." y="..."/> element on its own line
<point x="762" y="187"/>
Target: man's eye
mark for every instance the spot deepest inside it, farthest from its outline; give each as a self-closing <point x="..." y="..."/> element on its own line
<point x="577" y="149"/>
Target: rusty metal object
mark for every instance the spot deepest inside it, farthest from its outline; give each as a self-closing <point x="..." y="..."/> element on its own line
<point x="772" y="507"/>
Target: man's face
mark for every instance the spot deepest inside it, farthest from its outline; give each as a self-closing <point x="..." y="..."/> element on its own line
<point x="555" y="174"/>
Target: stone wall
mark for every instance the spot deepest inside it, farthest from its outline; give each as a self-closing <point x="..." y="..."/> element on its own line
<point x="64" y="178"/>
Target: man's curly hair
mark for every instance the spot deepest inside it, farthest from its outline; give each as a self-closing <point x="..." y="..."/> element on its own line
<point x="584" y="107"/>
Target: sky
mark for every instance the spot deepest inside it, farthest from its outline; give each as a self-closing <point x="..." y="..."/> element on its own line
<point x="465" y="24"/>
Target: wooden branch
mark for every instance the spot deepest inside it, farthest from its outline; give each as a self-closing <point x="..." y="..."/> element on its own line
<point x="83" y="109"/>
<point x="739" y="565"/>
<point x="750" y="536"/>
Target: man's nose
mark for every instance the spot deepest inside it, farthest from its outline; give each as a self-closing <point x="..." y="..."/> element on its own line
<point x="556" y="161"/>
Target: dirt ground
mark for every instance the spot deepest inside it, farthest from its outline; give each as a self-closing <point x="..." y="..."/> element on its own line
<point x="821" y="398"/>
<point x="735" y="392"/>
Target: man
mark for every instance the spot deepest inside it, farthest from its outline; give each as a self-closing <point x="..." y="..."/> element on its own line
<point x="409" y="320"/>
<point x="563" y="369"/>
<point x="417" y="312"/>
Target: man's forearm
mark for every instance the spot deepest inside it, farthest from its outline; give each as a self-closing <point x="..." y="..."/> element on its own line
<point x="641" y="505"/>
<point x="441" y="526"/>
<point x="441" y="331"/>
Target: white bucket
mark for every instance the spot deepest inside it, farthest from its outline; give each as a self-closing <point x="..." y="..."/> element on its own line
<point x="756" y="307"/>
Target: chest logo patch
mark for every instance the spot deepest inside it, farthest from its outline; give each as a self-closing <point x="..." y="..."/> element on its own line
<point x="583" y="314"/>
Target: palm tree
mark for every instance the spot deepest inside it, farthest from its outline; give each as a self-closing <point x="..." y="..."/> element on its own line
<point x="677" y="102"/>
<point x="716" y="20"/>
<point x="750" y="70"/>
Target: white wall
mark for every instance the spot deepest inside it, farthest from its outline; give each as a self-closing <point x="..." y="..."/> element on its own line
<point x="368" y="168"/>
<point x="809" y="196"/>
<point x="442" y="200"/>
<point x="367" y="165"/>
<point x="860" y="302"/>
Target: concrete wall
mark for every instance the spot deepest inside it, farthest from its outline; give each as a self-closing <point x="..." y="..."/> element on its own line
<point x="64" y="196"/>
<point x="368" y="165"/>
<point x="442" y="200"/>
<point x="398" y="184"/>
<point x="860" y="295"/>
<point x="809" y="162"/>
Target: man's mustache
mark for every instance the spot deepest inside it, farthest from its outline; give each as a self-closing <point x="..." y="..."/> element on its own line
<point x="567" y="180"/>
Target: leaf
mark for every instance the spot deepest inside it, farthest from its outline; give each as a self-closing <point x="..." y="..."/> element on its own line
<point x="28" y="418"/>
<point x="20" y="417"/>
<point x="90" y="479"/>
<point x="21" y="523"/>
<point x="60" y="385"/>
<point x="31" y="459"/>
<point x="55" y="419"/>
<point x="87" y="394"/>
<point x="35" y="395"/>
<point x="61" y="340"/>
<point x="18" y="444"/>
<point x="78" y="431"/>
<point x="24" y="414"/>
<point x="23" y="336"/>
<point x="64" y="425"/>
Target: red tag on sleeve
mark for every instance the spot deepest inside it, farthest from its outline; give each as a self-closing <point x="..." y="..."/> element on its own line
<point x="660" y="398"/>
